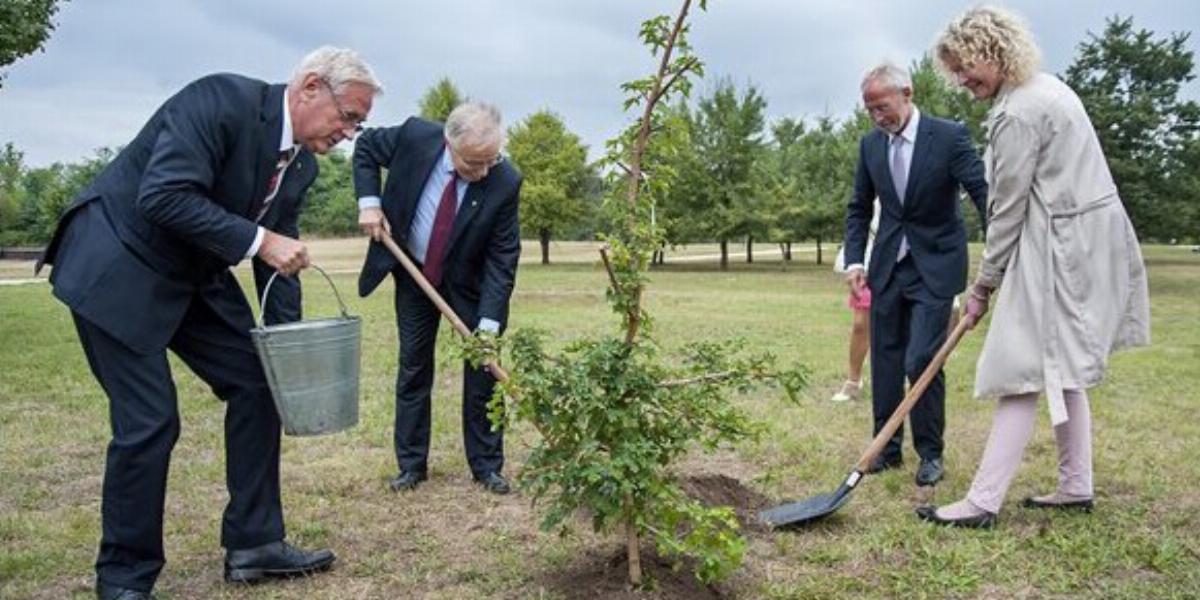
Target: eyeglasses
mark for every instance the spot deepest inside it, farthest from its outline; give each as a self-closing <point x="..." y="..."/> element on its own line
<point x="348" y="118"/>
<point x="478" y="164"/>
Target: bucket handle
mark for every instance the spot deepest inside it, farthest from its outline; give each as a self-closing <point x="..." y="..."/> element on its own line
<point x="262" y="307"/>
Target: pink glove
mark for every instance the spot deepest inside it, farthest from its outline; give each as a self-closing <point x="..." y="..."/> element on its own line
<point x="977" y="304"/>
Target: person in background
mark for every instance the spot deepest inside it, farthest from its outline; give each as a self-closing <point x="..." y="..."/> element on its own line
<point x="915" y="164"/>
<point x="859" y="303"/>
<point x="1061" y="257"/>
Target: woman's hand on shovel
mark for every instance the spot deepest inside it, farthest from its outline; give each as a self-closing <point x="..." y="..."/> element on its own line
<point x="977" y="304"/>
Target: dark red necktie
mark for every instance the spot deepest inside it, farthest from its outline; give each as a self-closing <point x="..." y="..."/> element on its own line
<point x="443" y="223"/>
<point x="285" y="159"/>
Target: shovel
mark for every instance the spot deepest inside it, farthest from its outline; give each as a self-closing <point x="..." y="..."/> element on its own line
<point x="817" y="507"/>
<point x="497" y="371"/>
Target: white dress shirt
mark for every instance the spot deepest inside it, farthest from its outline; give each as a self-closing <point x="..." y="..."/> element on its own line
<point x="286" y="143"/>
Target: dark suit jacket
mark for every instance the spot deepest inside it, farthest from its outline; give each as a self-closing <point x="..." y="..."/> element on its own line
<point x="943" y="160"/>
<point x="176" y="209"/>
<point x="480" y="265"/>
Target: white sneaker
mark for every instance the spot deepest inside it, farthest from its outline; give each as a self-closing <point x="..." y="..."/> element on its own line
<point x="851" y="390"/>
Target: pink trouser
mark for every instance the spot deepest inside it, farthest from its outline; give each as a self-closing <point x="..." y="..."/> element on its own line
<point x="1012" y="426"/>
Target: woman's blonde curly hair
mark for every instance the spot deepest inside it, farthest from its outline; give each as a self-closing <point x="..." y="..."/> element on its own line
<point x="989" y="34"/>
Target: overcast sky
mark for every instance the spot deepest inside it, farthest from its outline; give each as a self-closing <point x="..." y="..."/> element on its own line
<point x="111" y="62"/>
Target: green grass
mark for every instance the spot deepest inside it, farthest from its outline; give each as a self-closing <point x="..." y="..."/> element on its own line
<point x="449" y="540"/>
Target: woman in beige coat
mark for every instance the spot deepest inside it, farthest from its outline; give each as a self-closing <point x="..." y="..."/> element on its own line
<point x="1061" y="257"/>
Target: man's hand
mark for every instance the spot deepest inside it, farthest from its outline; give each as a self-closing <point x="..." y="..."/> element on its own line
<point x="977" y="304"/>
<point x="283" y="253"/>
<point x="857" y="280"/>
<point x="373" y="223"/>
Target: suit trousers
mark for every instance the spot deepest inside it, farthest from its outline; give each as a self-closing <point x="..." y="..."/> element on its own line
<point x="1012" y="427"/>
<point x="417" y="320"/>
<point x="908" y="326"/>
<point x="214" y="341"/>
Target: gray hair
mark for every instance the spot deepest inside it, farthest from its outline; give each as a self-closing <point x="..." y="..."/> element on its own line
<point x="474" y="122"/>
<point x="888" y="74"/>
<point x="339" y="67"/>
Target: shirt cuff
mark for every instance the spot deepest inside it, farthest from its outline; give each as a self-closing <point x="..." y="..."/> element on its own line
<point x="854" y="266"/>
<point x="258" y="238"/>
<point x="489" y="325"/>
<point x="369" y="202"/>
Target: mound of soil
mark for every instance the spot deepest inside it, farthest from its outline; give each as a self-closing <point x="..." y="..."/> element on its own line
<point x="722" y="490"/>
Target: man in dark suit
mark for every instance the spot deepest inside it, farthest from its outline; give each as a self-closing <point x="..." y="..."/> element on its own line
<point x="142" y="257"/>
<point x="451" y="202"/>
<point x="915" y="164"/>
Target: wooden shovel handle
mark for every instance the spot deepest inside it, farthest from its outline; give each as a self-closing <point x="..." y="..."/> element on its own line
<point x="497" y="371"/>
<point x="914" y="393"/>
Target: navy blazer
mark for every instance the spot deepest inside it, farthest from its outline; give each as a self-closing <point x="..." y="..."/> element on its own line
<point x="943" y="161"/>
<point x="480" y="266"/>
<point x="176" y="208"/>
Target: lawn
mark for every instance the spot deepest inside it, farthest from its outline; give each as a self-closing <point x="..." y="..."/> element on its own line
<point x="450" y="540"/>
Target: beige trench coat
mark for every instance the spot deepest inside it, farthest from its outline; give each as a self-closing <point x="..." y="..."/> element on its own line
<point x="1060" y="247"/>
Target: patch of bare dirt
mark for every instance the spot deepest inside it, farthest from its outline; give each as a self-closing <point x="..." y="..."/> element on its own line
<point x="604" y="575"/>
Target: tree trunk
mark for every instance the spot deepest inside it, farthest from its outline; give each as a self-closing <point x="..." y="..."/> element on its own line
<point x="818" y="250"/>
<point x="724" y="255"/>
<point x="633" y="553"/>
<point x="544" y="234"/>
<point x="787" y="253"/>
<point x="749" y="249"/>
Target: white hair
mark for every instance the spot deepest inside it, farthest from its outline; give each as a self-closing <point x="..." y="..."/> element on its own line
<point x="474" y="122"/>
<point x="889" y="74"/>
<point x="339" y="67"/>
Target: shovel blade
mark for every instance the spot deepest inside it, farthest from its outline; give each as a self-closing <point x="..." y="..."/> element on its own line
<point x="806" y="511"/>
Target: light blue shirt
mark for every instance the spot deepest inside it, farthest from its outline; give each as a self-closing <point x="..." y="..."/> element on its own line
<point x="427" y="205"/>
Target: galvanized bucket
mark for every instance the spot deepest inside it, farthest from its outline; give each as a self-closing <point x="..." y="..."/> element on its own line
<point x="312" y="368"/>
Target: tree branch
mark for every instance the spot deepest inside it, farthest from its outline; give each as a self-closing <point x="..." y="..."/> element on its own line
<point x="706" y="378"/>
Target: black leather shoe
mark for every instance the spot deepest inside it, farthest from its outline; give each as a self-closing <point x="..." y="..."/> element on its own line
<point x="930" y="472"/>
<point x="112" y="592"/>
<point x="882" y="463"/>
<point x="985" y="521"/>
<point x="407" y="480"/>
<point x="494" y="483"/>
<point x="277" y="559"/>
<point x="1079" y="505"/>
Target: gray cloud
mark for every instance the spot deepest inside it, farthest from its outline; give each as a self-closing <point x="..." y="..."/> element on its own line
<point x="111" y="63"/>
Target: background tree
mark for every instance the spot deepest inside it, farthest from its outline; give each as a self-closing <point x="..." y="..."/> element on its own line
<point x="34" y="199"/>
<point x="1129" y="81"/>
<point x="439" y="100"/>
<point x="825" y="163"/>
<point x="12" y="191"/>
<point x="554" y="164"/>
<point x="728" y="134"/>
<point x="330" y="208"/>
<point x="781" y="184"/>
<point x="27" y="25"/>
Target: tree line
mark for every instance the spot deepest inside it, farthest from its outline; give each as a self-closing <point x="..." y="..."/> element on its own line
<point x="739" y="179"/>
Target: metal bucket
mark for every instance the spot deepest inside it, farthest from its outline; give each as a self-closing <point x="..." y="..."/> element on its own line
<point x="312" y="368"/>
